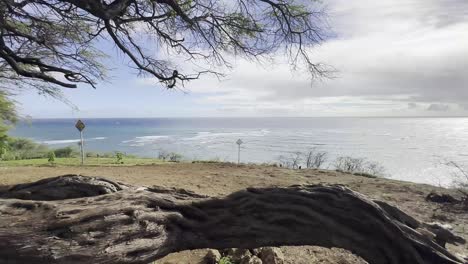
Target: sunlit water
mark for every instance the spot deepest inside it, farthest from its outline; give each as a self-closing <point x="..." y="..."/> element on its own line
<point x="411" y="149"/>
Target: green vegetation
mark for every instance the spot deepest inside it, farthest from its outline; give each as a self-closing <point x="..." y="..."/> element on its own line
<point x="7" y="117"/>
<point x="129" y="161"/>
<point x="22" y="148"/>
<point x="175" y="157"/>
<point x="51" y="157"/>
<point x="225" y="260"/>
<point x="25" y="152"/>
<point x="119" y="157"/>
<point x="172" y="156"/>
<point x="66" y="152"/>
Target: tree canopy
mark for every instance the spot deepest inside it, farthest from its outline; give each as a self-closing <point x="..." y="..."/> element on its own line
<point x="7" y="115"/>
<point x="52" y="44"/>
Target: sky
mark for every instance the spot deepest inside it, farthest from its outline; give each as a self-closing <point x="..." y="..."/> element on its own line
<point x="392" y="58"/>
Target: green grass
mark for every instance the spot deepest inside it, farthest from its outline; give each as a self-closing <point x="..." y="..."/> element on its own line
<point x="225" y="260"/>
<point x="77" y="162"/>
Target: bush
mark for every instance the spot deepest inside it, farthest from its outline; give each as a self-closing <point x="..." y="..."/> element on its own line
<point x="174" y="157"/>
<point x="460" y="180"/>
<point x="459" y="176"/>
<point x="374" y="168"/>
<point x="292" y="161"/>
<point x="51" y="157"/>
<point x="163" y="155"/>
<point x="18" y="144"/>
<point x="119" y="157"/>
<point x="349" y="164"/>
<point x="225" y="260"/>
<point x="3" y="151"/>
<point x="23" y="148"/>
<point x="359" y="166"/>
<point x="315" y="159"/>
<point x="8" y="156"/>
<point x="106" y="155"/>
<point x="66" y="152"/>
<point x="91" y="154"/>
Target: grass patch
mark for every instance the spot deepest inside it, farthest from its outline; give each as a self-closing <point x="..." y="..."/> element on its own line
<point x="94" y="161"/>
<point x="207" y="161"/>
<point x="225" y="260"/>
<point x="364" y="174"/>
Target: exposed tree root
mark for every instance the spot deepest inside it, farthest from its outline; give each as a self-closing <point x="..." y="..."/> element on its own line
<point x="112" y="223"/>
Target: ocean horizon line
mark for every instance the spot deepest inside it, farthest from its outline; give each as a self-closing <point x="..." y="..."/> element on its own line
<point x="234" y="117"/>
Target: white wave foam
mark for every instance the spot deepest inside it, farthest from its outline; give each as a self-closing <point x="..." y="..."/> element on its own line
<point x="68" y="141"/>
<point x="206" y="137"/>
<point x="143" y="140"/>
<point x="55" y="142"/>
<point x="152" y="137"/>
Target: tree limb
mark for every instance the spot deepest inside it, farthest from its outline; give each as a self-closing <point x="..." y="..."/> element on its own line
<point x="140" y="225"/>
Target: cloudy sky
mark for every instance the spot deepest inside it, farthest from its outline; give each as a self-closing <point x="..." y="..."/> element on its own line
<point x="393" y="58"/>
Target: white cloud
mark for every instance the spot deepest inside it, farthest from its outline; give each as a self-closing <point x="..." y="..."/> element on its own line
<point x="438" y="107"/>
<point x="392" y="57"/>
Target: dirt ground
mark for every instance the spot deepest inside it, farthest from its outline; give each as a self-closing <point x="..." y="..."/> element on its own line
<point x="219" y="179"/>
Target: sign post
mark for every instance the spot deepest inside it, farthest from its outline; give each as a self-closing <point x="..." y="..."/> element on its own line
<point x="239" y="142"/>
<point x="81" y="126"/>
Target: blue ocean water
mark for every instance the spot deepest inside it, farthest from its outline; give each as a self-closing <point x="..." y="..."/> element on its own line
<point x="411" y="149"/>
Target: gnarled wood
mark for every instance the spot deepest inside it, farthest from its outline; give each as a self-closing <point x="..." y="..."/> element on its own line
<point x="139" y="225"/>
<point x="63" y="187"/>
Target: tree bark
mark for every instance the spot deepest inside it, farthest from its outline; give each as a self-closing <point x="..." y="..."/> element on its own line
<point x="124" y="224"/>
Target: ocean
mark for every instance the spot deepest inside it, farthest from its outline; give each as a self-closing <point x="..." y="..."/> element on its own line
<point x="410" y="149"/>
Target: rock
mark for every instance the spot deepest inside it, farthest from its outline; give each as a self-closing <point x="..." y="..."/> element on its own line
<point x="251" y="260"/>
<point x="271" y="255"/>
<point x="443" y="234"/>
<point x="440" y="198"/>
<point x="212" y="257"/>
<point x="238" y="254"/>
<point x="256" y="251"/>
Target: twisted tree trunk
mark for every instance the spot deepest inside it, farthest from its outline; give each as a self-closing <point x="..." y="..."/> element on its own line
<point x="112" y="223"/>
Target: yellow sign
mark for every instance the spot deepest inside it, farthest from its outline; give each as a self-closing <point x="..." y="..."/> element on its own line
<point x="80" y="125"/>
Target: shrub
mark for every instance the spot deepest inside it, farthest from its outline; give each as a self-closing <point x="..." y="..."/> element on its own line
<point x="106" y="155"/>
<point x="315" y="159"/>
<point x="374" y="168"/>
<point x="8" y="156"/>
<point x="3" y="151"/>
<point x="225" y="260"/>
<point x="91" y="154"/>
<point x="349" y="164"/>
<point x="359" y="166"/>
<point x="51" y="157"/>
<point x="459" y="177"/>
<point x="163" y="155"/>
<point x="19" y="144"/>
<point x="174" y="157"/>
<point x="119" y="157"/>
<point x="23" y="148"/>
<point x="66" y="152"/>
<point x="292" y="161"/>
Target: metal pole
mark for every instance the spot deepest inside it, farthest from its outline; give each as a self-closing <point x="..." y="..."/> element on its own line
<point x="238" y="155"/>
<point x="81" y="147"/>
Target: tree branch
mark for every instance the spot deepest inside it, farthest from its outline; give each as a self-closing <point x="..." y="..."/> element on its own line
<point x="140" y="225"/>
